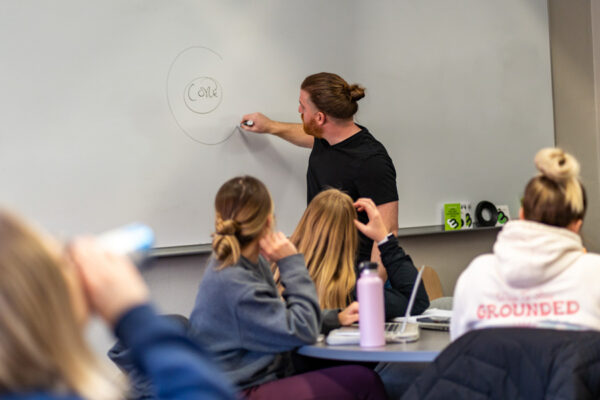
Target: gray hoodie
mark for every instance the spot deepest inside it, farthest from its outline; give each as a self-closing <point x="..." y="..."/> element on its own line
<point x="240" y="317"/>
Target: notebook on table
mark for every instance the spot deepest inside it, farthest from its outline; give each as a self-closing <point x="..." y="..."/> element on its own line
<point x="395" y="332"/>
<point x="433" y="322"/>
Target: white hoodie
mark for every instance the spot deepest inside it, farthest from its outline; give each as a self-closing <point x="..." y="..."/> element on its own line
<point x="538" y="275"/>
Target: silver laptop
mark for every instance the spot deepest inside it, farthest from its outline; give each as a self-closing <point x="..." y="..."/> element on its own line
<point x="394" y="331"/>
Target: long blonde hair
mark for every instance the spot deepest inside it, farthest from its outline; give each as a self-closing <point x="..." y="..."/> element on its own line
<point x="242" y="205"/>
<point x="327" y="237"/>
<point x="555" y="197"/>
<point x="42" y="346"/>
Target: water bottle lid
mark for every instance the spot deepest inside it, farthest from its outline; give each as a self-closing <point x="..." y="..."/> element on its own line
<point x="366" y="265"/>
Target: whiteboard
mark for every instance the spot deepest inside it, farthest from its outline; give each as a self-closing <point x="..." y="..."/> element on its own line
<point x="116" y="111"/>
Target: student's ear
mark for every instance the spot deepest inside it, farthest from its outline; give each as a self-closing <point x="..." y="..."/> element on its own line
<point x="270" y="224"/>
<point x="521" y="213"/>
<point x="575" y="226"/>
<point x="320" y="118"/>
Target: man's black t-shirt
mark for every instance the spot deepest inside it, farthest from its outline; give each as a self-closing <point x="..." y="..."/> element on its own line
<point x="359" y="166"/>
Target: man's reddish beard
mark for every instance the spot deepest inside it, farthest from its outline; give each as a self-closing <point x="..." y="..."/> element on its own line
<point x="312" y="128"/>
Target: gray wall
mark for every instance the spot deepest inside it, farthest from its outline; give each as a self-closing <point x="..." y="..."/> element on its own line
<point x="173" y="283"/>
<point x="575" y="43"/>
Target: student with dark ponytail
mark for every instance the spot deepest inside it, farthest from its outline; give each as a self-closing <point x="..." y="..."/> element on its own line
<point x="240" y="316"/>
<point x="539" y="274"/>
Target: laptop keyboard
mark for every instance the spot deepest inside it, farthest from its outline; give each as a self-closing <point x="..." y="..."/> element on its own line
<point x="392" y="327"/>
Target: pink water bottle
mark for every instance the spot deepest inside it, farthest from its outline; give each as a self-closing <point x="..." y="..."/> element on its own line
<point x="369" y="290"/>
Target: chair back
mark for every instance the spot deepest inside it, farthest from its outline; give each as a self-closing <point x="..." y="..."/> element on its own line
<point x="432" y="283"/>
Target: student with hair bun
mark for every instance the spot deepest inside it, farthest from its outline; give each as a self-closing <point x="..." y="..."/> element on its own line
<point x="539" y="274"/>
<point x="344" y="155"/>
<point x="240" y="316"/>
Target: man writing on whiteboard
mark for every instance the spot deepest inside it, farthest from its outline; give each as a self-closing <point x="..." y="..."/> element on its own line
<point x="344" y="155"/>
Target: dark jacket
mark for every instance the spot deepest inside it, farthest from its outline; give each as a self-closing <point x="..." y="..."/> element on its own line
<point x="514" y="363"/>
<point x="401" y="275"/>
<point x="140" y="385"/>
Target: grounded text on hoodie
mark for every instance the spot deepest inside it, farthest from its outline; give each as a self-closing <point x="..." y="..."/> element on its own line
<point x="537" y="276"/>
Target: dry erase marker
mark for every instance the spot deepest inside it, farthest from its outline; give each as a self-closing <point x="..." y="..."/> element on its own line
<point x="133" y="240"/>
<point x="127" y="239"/>
<point x="248" y="122"/>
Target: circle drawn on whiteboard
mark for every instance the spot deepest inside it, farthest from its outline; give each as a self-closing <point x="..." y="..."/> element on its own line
<point x="203" y="95"/>
<point x="194" y="94"/>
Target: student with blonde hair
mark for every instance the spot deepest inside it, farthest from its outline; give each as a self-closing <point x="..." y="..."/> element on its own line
<point x="539" y="274"/>
<point x="240" y="316"/>
<point x="327" y="236"/>
<point x="46" y="295"/>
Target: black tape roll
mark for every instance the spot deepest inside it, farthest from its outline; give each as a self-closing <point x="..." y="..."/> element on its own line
<point x="492" y="211"/>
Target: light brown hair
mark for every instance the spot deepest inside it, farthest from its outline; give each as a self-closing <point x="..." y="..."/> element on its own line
<point x="555" y="197"/>
<point x="242" y="205"/>
<point x="333" y="95"/>
<point x="42" y="346"/>
<point x="328" y="238"/>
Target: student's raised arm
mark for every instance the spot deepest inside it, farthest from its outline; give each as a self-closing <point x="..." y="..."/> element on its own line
<point x="176" y="365"/>
<point x="398" y="265"/>
<point x="269" y="324"/>
<point x="293" y="133"/>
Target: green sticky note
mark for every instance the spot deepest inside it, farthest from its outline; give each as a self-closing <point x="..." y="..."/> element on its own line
<point x="452" y="217"/>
